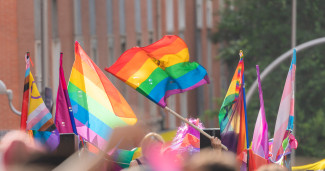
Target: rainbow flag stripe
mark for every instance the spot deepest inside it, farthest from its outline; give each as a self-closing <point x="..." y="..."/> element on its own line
<point x="232" y="113"/>
<point x="97" y="105"/>
<point x="159" y="70"/>
<point x="24" y="109"/>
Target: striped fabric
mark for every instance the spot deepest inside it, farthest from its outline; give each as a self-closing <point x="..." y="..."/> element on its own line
<point x="160" y="69"/>
<point x="39" y="119"/>
<point x="232" y="114"/>
<point x="97" y="105"/>
<point x="24" y="110"/>
<point x="285" y="115"/>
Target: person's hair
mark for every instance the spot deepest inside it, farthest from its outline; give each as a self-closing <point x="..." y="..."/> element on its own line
<point x="211" y="160"/>
<point x="150" y="139"/>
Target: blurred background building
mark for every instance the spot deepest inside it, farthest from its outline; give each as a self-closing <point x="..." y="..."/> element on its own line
<point x="105" y="29"/>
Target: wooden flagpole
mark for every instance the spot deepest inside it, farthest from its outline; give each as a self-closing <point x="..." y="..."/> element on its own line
<point x="192" y="125"/>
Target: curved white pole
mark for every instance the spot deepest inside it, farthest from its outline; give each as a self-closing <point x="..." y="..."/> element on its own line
<point x="279" y="60"/>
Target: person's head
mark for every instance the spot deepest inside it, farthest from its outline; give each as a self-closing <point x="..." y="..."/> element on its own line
<point x="272" y="167"/>
<point x="150" y="141"/>
<point x="211" y="160"/>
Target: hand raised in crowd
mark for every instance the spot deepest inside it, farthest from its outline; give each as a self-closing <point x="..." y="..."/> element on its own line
<point x="216" y="143"/>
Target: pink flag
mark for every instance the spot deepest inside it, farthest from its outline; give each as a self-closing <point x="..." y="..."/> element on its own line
<point x="64" y="119"/>
<point x="260" y="144"/>
<point x="285" y="116"/>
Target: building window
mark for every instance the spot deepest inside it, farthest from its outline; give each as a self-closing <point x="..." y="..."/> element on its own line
<point x="199" y="14"/>
<point x="109" y="8"/>
<point x="94" y="52"/>
<point x="92" y="13"/>
<point x="56" y="49"/>
<point x="37" y="19"/>
<point x="209" y="15"/>
<point x="55" y="31"/>
<point x="172" y="118"/>
<point x="181" y="15"/>
<point x="77" y="21"/>
<point x="38" y="64"/>
<point x="150" y="37"/>
<point x="149" y="16"/>
<point x="123" y="44"/>
<point x="137" y="10"/>
<point x="77" y="18"/>
<point x="111" y="58"/>
<point x="122" y="17"/>
<point x="169" y="16"/>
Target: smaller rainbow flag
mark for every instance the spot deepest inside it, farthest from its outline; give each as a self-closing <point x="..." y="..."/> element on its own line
<point x="159" y="70"/>
<point x="232" y="113"/>
<point x="98" y="107"/>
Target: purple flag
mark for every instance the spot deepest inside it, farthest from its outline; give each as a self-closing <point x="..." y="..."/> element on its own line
<point x="64" y="119"/>
<point x="260" y="138"/>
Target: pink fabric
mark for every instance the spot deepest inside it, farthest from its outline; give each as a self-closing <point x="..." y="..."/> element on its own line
<point x="260" y="138"/>
<point x="286" y="109"/>
<point x="62" y="116"/>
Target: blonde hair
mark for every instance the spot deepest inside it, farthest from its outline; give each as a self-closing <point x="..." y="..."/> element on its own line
<point x="149" y="139"/>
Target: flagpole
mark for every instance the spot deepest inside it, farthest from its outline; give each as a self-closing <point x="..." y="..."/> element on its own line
<point x="192" y="125"/>
<point x="244" y="96"/>
<point x="247" y="141"/>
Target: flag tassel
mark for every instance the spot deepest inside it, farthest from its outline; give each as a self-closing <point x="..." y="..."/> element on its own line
<point x="192" y="125"/>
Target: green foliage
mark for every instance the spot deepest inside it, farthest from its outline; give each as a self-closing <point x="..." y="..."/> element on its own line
<point x="262" y="29"/>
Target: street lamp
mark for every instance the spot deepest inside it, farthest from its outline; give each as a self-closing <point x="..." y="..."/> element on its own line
<point x="4" y="90"/>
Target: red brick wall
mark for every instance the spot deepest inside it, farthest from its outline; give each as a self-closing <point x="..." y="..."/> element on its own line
<point x="9" y="72"/>
<point x="17" y="36"/>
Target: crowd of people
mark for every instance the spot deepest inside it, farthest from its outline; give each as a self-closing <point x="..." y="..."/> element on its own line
<point x="20" y="152"/>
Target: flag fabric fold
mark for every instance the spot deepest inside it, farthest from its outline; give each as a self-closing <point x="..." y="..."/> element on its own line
<point x="39" y="119"/>
<point x="260" y="137"/>
<point x="259" y="152"/>
<point x="232" y="114"/>
<point x="284" y="121"/>
<point x="159" y="70"/>
<point x="24" y="110"/>
<point x="97" y="105"/>
<point x="64" y="119"/>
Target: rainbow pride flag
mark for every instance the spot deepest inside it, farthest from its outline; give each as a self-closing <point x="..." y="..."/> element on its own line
<point x="284" y="121"/>
<point x="39" y="119"/>
<point x="160" y="69"/>
<point x="97" y="105"/>
<point x="232" y="117"/>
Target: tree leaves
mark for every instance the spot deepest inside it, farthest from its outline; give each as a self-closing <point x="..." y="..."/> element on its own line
<point x="262" y="29"/>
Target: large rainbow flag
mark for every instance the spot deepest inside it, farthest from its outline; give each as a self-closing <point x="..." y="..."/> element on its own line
<point x="232" y="117"/>
<point x="64" y="119"/>
<point x="284" y="121"/>
<point x="160" y="69"/>
<point x="97" y="105"/>
<point x="39" y="119"/>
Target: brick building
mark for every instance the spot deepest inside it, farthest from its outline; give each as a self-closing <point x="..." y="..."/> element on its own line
<point x="105" y="29"/>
